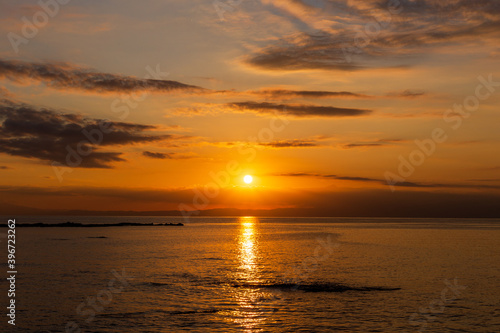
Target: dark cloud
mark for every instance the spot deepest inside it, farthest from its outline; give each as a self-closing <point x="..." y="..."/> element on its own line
<point x="356" y="179"/>
<point x="364" y="145"/>
<point x="297" y="174"/>
<point x="290" y="144"/>
<point x="285" y="93"/>
<point x="407" y="94"/>
<point x="3" y="167"/>
<point x="50" y="136"/>
<point x="305" y="51"/>
<point x="297" y="110"/>
<point x="378" y="143"/>
<point x="317" y="94"/>
<point x="160" y="156"/>
<point x="317" y="175"/>
<point x="68" y="76"/>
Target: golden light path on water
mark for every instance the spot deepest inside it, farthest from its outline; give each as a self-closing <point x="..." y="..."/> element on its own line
<point x="248" y="248"/>
<point x="251" y="311"/>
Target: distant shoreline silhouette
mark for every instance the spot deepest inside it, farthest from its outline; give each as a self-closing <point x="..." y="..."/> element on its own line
<point x="82" y="225"/>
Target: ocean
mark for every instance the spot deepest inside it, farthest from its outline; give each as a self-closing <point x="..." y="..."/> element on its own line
<point x="253" y="274"/>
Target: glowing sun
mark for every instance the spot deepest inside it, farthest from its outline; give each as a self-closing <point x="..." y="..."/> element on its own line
<point x="248" y="179"/>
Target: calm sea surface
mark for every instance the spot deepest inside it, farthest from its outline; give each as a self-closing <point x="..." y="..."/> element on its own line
<point x="257" y="275"/>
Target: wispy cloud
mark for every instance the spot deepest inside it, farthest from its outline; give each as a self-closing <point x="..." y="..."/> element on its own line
<point x="160" y="156"/>
<point x="69" y="76"/>
<point x="384" y="182"/>
<point x="168" y="156"/>
<point x="304" y="51"/>
<point x="290" y="144"/>
<point x="66" y="76"/>
<point x="373" y="144"/>
<point x="407" y="94"/>
<point x="317" y="175"/>
<point x="297" y="110"/>
<point x="332" y="39"/>
<point x="287" y="93"/>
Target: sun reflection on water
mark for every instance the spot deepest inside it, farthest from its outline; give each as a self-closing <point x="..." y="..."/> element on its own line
<point x="248" y="249"/>
<point x="252" y="310"/>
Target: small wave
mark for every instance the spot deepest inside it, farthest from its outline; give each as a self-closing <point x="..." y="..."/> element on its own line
<point x="192" y="312"/>
<point x="123" y="314"/>
<point x="331" y="287"/>
<point x="198" y="279"/>
<point x="202" y="282"/>
<point x="209" y="259"/>
<point x="312" y="287"/>
<point x="156" y="284"/>
<point x="145" y="313"/>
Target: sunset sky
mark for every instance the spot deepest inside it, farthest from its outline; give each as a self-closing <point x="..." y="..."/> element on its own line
<point x="340" y="108"/>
